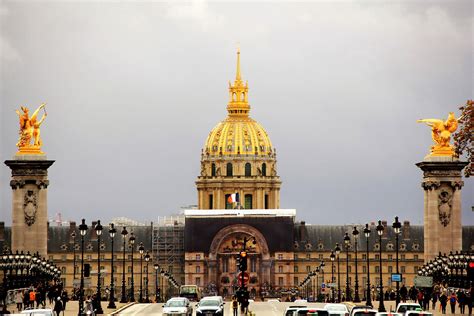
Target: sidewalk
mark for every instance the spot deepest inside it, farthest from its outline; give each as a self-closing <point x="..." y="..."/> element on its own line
<point x="72" y="308"/>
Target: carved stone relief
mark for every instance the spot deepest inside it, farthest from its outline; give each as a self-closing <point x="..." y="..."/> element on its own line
<point x="30" y="207"/>
<point x="445" y="197"/>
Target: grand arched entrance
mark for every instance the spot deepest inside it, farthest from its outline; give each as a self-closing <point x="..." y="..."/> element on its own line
<point x="223" y="253"/>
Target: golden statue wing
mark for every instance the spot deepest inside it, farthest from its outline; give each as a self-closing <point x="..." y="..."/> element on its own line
<point x="433" y="121"/>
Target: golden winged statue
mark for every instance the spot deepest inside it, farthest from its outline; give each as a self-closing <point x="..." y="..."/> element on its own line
<point x="441" y="133"/>
<point x="29" y="141"/>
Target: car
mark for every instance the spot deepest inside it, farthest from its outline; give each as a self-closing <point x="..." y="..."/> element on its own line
<point x="300" y="301"/>
<point x="177" y="306"/>
<point x="387" y="314"/>
<point x="354" y="308"/>
<point x="402" y="308"/>
<point x="363" y="311"/>
<point x="337" y="309"/>
<point x="211" y="305"/>
<point x="305" y="311"/>
<point x="418" y="313"/>
<point x="37" y="312"/>
<point x="291" y="309"/>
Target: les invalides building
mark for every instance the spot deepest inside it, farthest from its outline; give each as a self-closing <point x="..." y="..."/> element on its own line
<point x="239" y="200"/>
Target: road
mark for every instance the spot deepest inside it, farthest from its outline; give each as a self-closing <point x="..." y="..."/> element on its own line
<point x="259" y="308"/>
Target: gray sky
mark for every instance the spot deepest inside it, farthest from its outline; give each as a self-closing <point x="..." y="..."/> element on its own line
<point x="133" y="90"/>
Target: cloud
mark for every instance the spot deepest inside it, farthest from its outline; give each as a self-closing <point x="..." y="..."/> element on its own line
<point x="8" y="53"/>
<point x="197" y="11"/>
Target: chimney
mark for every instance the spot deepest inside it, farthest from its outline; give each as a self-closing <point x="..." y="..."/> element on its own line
<point x="385" y="229"/>
<point x="2" y="231"/>
<point x="406" y="230"/>
<point x="92" y="231"/>
<point x="303" y="233"/>
<point x="72" y="228"/>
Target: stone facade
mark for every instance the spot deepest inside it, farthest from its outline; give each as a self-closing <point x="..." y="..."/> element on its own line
<point x="29" y="183"/>
<point x="442" y="183"/>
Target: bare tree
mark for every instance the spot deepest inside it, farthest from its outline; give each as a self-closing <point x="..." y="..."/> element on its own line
<point x="464" y="137"/>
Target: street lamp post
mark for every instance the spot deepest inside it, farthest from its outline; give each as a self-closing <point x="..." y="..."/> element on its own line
<point x="355" y="233"/>
<point x="147" y="259"/>
<point x="337" y="250"/>
<point x="396" y="228"/>
<point x="112" y="232"/>
<point x="347" y="243"/>
<point x="73" y="235"/>
<point x="131" y="240"/>
<point x="141" y="249"/>
<point x="162" y="292"/>
<point x="83" y="231"/>
<point x="367" y="236"/>
<point x="332" y="257"/>
<point x="380" y="230"/>
<point x="98" y="230"/>
<point x="124" y="234"/>
<point x="157" y="295"/>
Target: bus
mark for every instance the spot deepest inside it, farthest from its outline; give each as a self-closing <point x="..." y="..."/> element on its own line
<point x="191" y="292"/>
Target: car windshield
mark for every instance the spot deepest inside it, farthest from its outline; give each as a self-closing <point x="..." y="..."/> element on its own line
<point x="336" y="308"/>
<point x="176" y="303"/>
<point x="405" y="308"/>
<point x="209" y="303"/>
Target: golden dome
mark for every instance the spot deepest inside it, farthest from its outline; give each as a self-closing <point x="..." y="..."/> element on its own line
<point x="238" y="134"/>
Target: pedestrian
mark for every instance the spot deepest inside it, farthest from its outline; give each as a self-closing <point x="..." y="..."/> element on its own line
<point x="32" y="298"/>
<point x="443" y="300"/>
<point x="26" y="299"/>
<point x="462" y="301"/>
<point x="452" y="301"/>
<point x="235" y="305"/>
<point x="434" y="298"/>
<point x="403" y="293"/>
<point x="58" y="306"/>
<point x="64" y="299"/>
<point x="19" y="300"/>
<point x="420" y="297"/>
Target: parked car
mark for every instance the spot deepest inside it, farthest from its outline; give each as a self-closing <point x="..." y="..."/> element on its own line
<point x="402" y="308"/>
<point x="211" y="305"/>
<point x="177" y="306"/>
<point x="354" y="308"/>
<point x="387" y="314"/>
<point x="336" y="309"/>
<point x="291" y="309"/>
<point x="37" y="312"/>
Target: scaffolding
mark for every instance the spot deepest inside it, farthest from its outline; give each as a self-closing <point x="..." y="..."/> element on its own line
<point x="168" y="245"/>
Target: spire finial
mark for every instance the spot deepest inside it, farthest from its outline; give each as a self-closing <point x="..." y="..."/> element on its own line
<point x="237" y="75"/>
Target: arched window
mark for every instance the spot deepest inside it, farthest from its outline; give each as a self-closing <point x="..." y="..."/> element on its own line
<point x="213" y="169"/>
<point x="248" y="169"/>
<point x="264" y="169"/>
<point x="229" y="169"/>
<point x="248" y="201"/>
<point x="243" y="96"/>
<point x="234" y="96"/>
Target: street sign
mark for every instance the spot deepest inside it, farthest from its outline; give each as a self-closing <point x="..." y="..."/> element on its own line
<point x="246" y="278"/>
<point x="396" y="277"/>
<point x="423" y="281"/>
<point x="323" y="285"/>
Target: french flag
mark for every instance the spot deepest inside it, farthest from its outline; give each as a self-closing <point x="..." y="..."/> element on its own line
<point x="233" y="198"/>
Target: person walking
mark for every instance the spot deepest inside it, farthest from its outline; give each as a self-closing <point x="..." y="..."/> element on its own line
<point x="420" y="297"/>
<point x="32" y="298"/>
<point x="452" y="301"/>
<point x="64" y="299"/>
<point x="58" y="306"/>
<point x="434" y="299"/>
<point x="462" y="301"/>
<point x="19" y="300"/>
<point x="443" y="300"/>
<point x="235" y="305"/>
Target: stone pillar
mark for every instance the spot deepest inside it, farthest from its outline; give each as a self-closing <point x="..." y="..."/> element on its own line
<point x="442" y="183"/>
<point x="29" y="183"/>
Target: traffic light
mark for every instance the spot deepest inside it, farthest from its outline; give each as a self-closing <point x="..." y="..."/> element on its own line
<point x="470" y="271"/>
<point x="87" y="270"/>
<point x="243" y="261"/>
